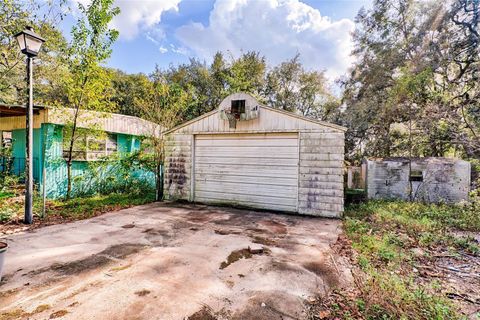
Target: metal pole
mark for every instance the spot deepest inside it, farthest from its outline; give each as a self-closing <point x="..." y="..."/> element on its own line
<point x="29" y="146"/>
<point x="44" y="172"/>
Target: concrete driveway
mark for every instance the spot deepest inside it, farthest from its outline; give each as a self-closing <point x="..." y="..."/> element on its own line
<point x="172" y="261"/>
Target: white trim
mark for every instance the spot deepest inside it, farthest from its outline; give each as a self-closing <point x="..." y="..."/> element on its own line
<point x="192" y="170"/>
<point x="298" y="171"/>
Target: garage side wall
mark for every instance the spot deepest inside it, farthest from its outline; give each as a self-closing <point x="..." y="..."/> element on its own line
<point x="321" y="173"/>
<point x="178" y="166"/>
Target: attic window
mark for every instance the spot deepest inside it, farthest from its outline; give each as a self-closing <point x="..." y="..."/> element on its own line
<point x="416" y="175"/>
<point x="238" y="107"/>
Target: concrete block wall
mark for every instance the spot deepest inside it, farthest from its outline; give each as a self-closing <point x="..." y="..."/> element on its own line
<point x="444" y="180"/>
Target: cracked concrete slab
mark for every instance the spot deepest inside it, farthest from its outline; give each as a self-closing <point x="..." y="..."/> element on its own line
<point x="172" y="261"/>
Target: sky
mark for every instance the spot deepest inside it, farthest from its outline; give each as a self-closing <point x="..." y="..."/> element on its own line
<point x="165" y="32"/>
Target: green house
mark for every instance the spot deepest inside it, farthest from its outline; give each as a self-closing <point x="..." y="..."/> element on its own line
<point x="102" y="135"/>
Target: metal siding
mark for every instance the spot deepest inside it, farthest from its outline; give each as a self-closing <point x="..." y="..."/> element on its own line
<point x="256" y="170"/>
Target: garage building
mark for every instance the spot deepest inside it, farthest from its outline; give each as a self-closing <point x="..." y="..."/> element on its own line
<point x="247" y="154"/>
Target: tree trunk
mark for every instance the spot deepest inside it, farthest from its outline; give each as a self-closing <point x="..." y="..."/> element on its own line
<point x="70" y="156"/>
<point x="69" y="179"/>
<point x="158" y="182"/>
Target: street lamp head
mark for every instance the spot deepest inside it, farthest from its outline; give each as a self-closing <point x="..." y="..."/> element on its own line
<point x="29" y="42"/>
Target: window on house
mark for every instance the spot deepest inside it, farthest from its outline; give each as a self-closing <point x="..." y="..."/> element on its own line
<point x="6" y="139"/>
<point x="237" y="107"/>
<point x="416" y="175"/>
<point x="79" y="150"/>
<point x="90" y="147"/>
<point x="96" y="148"/>
<point x="111" y="144"/>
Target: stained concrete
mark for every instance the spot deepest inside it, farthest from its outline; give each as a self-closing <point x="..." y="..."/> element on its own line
<point x="164" y="261"/>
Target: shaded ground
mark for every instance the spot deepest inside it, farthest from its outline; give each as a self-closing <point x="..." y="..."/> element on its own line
<point x="173" y="262"/>
<point x="59" y="211"/>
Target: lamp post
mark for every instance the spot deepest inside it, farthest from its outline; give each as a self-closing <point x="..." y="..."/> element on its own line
<point x="30" y="44"/>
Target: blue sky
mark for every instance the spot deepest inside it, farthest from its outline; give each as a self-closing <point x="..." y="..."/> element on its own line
<point x="168" y="32"/>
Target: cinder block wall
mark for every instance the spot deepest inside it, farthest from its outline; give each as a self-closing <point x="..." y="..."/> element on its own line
<point x="444" y="180"/>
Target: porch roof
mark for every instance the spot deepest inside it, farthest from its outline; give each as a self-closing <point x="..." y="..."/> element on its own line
<point x="14" y="110"/>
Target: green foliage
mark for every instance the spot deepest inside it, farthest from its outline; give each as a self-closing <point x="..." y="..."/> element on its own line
<point x="394" y="297"/>
<point x="127" y="88"/>
<point x="132" y="173"/>
<point x="384" y="234"/>
<point x="43" y="16"/>
<point x="8" y="181"/>
<point x="88" y="84"/>
<point x="86" y="207"/>
<point x="414" y="88"/>
<point x="76" y="208"/>
<point x="290" y="87"/>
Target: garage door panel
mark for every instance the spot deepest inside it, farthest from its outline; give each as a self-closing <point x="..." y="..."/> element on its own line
<point x="275" y="191"/>
<point x="206" y="196"/>
<point x="244" y="162"/>
<point x="246" y="152"/>
<point x="247" y="179"/>
<point x="248" y="143"/>
<point x="257" y="170"/>
<point x="246" y="136"/>
<point x="252" y="171"/>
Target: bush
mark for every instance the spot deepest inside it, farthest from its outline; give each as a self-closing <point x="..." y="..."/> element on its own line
<point x="130" y="174"/>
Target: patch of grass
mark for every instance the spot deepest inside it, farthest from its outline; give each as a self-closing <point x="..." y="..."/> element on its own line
<point x="386" y="235"/>
<point x="385" y="230"/>
<point x="82" y="208"/>
<point x="386" y="295"/>
<point x="6" y="194"/>
<point x="73" y="209"/>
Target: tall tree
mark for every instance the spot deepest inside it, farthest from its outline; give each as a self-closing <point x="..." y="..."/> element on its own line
<point x="407" y="52"/>
<point x="88" y="85"/>
<point x="162" y="104"/>
<point x="290" y="87"/>
<point x="43" y="16"/>
<point x="126" y="88"/>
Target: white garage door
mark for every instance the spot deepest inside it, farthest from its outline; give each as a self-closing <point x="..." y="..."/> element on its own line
<point x="256" y="170"/>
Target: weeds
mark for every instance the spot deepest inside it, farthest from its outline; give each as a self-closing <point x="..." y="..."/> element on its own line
<point x="73" y="209"/>
<point x="390" y="238"/>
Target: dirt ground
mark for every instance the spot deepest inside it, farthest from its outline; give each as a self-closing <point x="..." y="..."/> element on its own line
<point x="171" y="261"/>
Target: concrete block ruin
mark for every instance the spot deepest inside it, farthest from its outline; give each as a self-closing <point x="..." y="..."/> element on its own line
<point x="430" y="180"/>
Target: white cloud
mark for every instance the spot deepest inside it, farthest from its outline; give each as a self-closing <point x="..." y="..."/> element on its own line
<point x="140" y="15"/>
<point x="162" y="49"/>
<point x="179" y="50"/>
<point x="278" y="29"/>
<point x="155" y="35"/>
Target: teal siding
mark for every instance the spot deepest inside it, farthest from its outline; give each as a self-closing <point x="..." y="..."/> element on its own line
<point x="88" y="177"/>
<point x="126" y="143"/>
<point x="123" y="143"/>
<point x="19" y="152"/>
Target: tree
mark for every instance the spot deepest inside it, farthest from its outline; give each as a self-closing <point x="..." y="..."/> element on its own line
<point x="246" y="74"/>
<point x="88" y="85"/>
<point x="126" y="87"/>
<point x="290" y="87"/>
<point x="14" y="16"/>
<point x="420" y="56"/>
<point x="457" y="74"/>
<point x="162" y="104"/>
